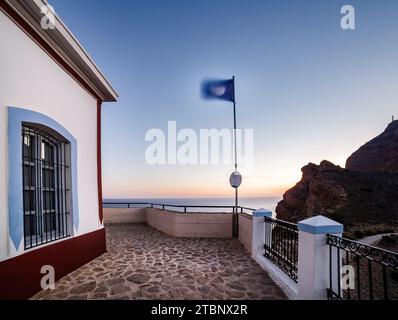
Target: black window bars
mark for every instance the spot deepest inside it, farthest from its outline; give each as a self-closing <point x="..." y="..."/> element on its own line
<point x="46" y="187"/>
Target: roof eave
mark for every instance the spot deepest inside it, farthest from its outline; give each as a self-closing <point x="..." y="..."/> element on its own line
<point x="66" y="46"/>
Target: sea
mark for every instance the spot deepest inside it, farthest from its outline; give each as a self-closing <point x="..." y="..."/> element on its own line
<point x="269" y="203"/>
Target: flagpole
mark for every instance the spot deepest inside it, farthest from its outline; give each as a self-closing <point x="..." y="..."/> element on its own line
<point x="236" y="231"/>
<point x="236" y="165"/>
<point x="236" y="162"/>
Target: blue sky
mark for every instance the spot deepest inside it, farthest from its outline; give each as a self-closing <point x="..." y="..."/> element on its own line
<point x="308" y="89"/>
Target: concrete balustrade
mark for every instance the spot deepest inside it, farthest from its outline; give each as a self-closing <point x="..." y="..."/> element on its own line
<point x="313" y="256"/>
<point x="258" y="240"/>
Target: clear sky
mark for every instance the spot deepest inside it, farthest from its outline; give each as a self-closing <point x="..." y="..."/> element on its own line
<point x="308" y="89"/>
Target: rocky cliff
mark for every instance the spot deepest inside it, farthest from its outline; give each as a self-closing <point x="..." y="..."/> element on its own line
<point x="364" y="197"/>
<point x="378" y="155"/>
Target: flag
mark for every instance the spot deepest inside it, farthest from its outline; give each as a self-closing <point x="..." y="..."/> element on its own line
<point x="219" y="89"/>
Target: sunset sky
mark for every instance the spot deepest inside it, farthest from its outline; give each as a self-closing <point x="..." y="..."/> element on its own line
<point x="308" y="89"/>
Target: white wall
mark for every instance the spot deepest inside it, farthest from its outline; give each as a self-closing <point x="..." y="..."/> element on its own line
<point x="246" y="231"/>
<point x="30" y="79"/>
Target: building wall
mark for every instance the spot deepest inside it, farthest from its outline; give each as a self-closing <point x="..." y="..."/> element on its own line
<point x="30" y="79"/>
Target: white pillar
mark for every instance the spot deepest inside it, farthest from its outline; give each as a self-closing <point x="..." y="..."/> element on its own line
<point x="313" y="257"/>
<point x="258" y="237"/>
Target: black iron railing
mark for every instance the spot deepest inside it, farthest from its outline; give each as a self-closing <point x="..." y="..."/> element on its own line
<point x="281" y="245"/>
<point x="177" y="207"/>
<point x="369" y="273"/>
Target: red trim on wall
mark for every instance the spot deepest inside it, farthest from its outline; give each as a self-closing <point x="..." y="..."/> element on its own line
<point x="99" y="163"/>
<point x="20" y="276"/>
<point x="28" y="29"/>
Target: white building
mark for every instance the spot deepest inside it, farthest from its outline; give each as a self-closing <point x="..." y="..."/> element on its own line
<point x="50" y="149"/>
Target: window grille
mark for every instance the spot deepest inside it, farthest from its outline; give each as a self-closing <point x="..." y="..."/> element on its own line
<point x="46" y="186"/>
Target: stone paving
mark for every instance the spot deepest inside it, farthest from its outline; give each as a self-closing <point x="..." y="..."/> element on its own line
<point x="143" y="263"/>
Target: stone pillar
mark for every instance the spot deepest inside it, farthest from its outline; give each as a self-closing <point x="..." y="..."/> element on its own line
<point x="314" y="257"/>
<point x="258" y="238"/>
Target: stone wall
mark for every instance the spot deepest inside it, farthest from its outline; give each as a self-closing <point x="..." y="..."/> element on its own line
<point x="196" y="225"/>
<point x="124" y="215"/>
<point x="161" y="220"/>
<point x="203" y="225"/>
<point x="246" y="231"/>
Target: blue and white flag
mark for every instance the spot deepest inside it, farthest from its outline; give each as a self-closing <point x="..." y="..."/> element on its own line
<point x="219" y="89"/>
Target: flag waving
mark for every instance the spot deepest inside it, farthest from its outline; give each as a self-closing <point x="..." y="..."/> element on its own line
<point x="219" y="89"/>
<point x="225" y="90"/>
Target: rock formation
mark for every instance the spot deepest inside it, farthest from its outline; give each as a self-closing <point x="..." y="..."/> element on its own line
<point x="364" y="196"/>
<point x="379" y="154"/>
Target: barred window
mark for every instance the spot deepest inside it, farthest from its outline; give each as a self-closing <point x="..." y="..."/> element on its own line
<point x="46" y="185"/>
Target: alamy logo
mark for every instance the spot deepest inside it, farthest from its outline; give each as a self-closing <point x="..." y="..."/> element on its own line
<point x="48" y="20"/>
<point x="348" y="277"/>
<point x="347" y="21"/>
<point x="48" y="280"/>
<point x="209" y="146"/>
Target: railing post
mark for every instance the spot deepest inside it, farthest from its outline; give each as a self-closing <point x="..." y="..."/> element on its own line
<point x="258" y="237"/>
<point x="313" y="257"/>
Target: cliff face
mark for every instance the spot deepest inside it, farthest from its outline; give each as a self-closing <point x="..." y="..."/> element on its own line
<point x="378" y="155"/>
<point x="364" y="197"/>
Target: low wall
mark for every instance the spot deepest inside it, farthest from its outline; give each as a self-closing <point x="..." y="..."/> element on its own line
<point x="161" y="220"/>
<point x="196" y="225"/>
<point x="124" y="215"/>
<point x="203" y="225"/>
<point x="246" y="231"/>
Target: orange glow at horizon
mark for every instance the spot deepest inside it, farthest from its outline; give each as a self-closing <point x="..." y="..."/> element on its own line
<point x="183" y="182"/>
<point x="199" y="191"/>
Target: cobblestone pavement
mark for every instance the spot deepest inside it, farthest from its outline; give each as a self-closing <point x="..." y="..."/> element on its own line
<point x="142" y="263"/>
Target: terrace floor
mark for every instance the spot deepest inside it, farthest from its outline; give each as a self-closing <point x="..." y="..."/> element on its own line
<point x="143" y="263"/>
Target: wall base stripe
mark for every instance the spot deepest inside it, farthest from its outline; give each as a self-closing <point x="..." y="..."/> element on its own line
<point x="20" y="276"/>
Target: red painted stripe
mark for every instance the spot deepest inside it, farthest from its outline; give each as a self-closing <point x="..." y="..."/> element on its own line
<point x="99" y="163"/>
<point x="20" y="276"/>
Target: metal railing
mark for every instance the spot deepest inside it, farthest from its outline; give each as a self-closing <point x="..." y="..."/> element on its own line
<point x="165" y="206"/>
<point x="281" y="245"/>
<point x="371" y="273"/>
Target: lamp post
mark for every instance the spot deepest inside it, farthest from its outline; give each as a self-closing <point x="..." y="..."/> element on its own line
<point x="235" y="180"/>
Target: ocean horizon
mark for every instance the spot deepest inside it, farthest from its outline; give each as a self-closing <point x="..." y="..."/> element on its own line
<point x="269" y="203"/>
